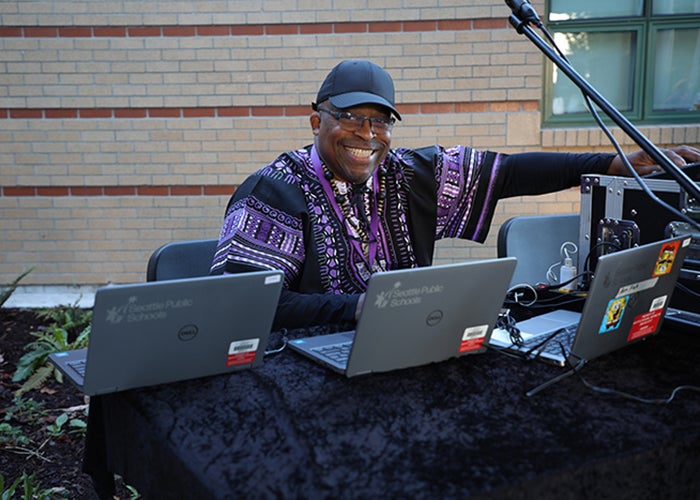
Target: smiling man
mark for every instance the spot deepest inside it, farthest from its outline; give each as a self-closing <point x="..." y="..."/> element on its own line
<point x="332" y="213"/>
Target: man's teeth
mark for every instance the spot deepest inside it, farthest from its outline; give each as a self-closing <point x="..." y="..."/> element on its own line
<point x="363" y="153"/>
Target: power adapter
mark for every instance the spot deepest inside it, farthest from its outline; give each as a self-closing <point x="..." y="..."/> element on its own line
<point x="567" y="273"/>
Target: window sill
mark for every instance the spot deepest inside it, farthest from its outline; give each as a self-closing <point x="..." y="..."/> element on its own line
<point x="591" y="137"/>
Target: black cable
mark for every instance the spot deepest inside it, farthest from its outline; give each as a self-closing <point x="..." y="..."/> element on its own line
<point x="507" y="322"/>
<point x="285" y="340"/>
<point x="627" y="395"/>
<point x="506" y="351"/>
<point x="686" y="289"/>
<point x="617" y="146"/>
<point x="538" y="302"/>
<point x="554" y="303"/>
<point x="587" y="261"/>
<point x="556" y="379"/>
<point x="537" y="348"/>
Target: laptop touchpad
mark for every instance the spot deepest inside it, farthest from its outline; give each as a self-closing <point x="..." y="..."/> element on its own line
<point x="549" y="322"/>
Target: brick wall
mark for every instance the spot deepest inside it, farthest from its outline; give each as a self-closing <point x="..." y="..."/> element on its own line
<point x="125" y="125"/>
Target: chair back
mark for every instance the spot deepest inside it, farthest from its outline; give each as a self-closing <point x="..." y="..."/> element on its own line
<point x="536" y="240"/>
<point x="181" y="259"/>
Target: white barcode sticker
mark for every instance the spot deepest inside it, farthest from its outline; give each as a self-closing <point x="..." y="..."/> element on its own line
<point x="242" y="352"/>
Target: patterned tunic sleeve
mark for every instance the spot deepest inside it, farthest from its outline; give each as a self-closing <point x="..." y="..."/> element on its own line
<point x="262" y="229"/>
<point x="469" y="184"/>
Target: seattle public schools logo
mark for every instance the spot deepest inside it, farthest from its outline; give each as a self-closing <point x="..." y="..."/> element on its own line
<point x="397" y="296"/>
<point x="132" y="311"/>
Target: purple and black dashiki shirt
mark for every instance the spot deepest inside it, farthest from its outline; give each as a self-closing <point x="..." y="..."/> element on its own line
<point x="286" y="216"/>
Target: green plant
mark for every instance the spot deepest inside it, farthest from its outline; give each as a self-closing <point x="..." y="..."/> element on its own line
<point x="8" y="290"/>
<point x="133" y="492"/>
<point x="68" y="317"/>
<point x="75" y="425"/>
<point x="8" y="492"/>
<point x="11" y="436"/>
<point x="31" y="489"/>
<point x="23" y="412"/>
<point x="14" y="440"/>
<point x="66" y="322"/>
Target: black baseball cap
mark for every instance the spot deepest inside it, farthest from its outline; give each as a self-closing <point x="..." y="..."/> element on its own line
<point x="356" y="82"/>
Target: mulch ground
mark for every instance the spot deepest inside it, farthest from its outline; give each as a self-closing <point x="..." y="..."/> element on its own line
<point x="55" y="461"/>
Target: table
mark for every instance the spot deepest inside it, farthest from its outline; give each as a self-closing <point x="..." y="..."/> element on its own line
<point x="457" y="429"/>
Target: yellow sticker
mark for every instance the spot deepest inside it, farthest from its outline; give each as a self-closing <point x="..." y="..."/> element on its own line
<point x="667" y="256"/>
<point x="613" y="314"/>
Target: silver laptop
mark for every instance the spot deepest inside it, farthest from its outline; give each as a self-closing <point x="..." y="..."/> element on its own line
<point x="628" y="298"/>
<point x="158" y="332"/>
<point x="413" y="317"/>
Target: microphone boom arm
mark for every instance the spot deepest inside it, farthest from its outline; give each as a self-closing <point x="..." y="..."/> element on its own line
<point x="645" y="144"/>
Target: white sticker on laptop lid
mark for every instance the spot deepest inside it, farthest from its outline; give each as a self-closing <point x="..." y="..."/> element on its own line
<point x="637" y="287"/>
<point x="275" y="278"/>
<point x="658" y="303"/>
<point x="242" y="352"/>
<point x="473" y="338"/>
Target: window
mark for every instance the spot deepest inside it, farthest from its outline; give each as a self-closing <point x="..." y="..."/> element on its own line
<point x="643" y="56"/>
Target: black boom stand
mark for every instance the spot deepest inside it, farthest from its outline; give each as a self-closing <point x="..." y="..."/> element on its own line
<point x="523" y="15"/>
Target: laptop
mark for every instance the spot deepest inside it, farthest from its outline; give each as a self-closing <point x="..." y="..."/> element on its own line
<point x="413" y="317"/>
<point x="627" y="300"/>
<point x="158" y="332"/>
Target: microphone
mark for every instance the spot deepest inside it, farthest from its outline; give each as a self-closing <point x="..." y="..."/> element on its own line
<point x="523" y="10"/>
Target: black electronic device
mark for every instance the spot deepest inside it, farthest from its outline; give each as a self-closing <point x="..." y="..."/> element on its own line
<point x="605" y="199"/>
<point x="616" y="214"/>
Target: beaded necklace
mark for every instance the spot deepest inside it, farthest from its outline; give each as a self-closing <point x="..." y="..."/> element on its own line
<point x="353" y="205"/>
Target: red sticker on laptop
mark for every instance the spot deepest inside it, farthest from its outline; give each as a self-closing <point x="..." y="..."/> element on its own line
<point x="646" y="323"/>
<point x="664" y="263"/>
<point x="473" y="338"/>
<point x="242" y="352"/>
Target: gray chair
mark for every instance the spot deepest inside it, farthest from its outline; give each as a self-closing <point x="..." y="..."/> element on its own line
<point x="536" y="240"/>
<point x="181" y="259"/>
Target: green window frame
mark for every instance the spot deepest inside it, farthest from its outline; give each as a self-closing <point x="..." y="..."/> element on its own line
<point x="641" y="41"/>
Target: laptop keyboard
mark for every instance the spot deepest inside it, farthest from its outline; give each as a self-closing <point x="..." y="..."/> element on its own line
<point x="78" y="366"/>
<point x="565" y="339"/>
<point x="336" y="352"/>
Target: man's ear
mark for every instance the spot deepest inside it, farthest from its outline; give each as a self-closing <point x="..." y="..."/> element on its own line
<point x="315" y="121"/>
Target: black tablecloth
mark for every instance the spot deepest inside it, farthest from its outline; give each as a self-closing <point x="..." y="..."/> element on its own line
<point x="457" y="429"/>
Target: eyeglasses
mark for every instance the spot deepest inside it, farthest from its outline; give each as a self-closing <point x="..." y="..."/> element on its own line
<point x="352" y="122"/>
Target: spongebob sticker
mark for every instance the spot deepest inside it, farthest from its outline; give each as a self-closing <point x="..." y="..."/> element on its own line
<point x="613" y="314"/>
<point x="667" y="256"/>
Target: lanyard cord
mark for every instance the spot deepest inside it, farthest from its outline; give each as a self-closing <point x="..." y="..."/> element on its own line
<point x="367" y="248"/>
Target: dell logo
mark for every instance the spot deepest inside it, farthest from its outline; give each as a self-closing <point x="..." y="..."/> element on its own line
<point x="434" y="317"/>
<point x="187" y="332"/>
